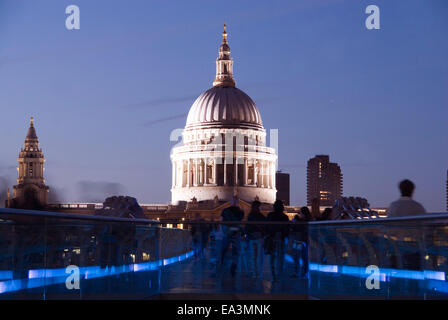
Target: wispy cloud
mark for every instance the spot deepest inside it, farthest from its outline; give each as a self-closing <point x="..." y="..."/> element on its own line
<point x="98" y="191"/>
<point x="160" y="120"/>
<point x="342" y="165"/>
<point x="158" y="102"/>
<point x="281" y="166"/>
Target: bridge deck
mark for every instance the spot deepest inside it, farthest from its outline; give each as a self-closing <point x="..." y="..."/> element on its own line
<point x="199" y="278"/>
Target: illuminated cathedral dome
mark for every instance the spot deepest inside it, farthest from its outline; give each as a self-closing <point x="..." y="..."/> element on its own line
<point x="225" y="107"/>
<point x="224" y="150"/>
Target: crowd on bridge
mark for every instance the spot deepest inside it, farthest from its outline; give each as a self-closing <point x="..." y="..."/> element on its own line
<point x="248" y="243"/>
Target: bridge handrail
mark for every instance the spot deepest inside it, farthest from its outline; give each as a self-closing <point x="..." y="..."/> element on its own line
<point x="60" y="215"/>
<point x="49" y="214"/>
<point x="427" y="216"/>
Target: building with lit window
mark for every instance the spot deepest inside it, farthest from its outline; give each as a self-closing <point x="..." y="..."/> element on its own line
<point x="324" y="181"/>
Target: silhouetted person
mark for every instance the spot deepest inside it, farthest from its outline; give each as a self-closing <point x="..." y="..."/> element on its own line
<point x="275" y="241"/>
<point x="299" y="243"/>
<point x="315" y="207"/>
<point x="255" y="234"/>
<point x="197" y="231"/>
<point x="306" y="214"/>
<point x="405" y="206"/>
<point x="232" y="233"/>
<point x="326" y="215"/>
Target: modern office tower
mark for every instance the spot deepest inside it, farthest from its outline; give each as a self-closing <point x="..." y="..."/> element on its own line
<point x="324" y="181"/>
<point x="282" y="185"/>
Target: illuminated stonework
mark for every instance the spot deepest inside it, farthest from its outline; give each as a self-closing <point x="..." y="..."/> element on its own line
<point x="30" y="191"/>
<point x="224" y="148"/>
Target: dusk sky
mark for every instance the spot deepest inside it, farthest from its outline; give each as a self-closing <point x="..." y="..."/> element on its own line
<point x="106" y="97"/>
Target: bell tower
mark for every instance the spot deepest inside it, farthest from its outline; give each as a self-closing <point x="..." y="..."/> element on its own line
<point x="30" y="191"/>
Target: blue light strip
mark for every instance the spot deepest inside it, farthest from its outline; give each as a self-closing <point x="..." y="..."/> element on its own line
<point x="435" y="279"/>
<point x="5" y="275"/>
<point x="44" y="277"/>
<point x="385" y="273"/>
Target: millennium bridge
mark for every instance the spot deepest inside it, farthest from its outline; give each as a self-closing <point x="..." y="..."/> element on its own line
<point x="47" y="255"/>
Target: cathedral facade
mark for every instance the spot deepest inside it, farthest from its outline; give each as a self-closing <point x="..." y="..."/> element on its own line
<point x="30" y="191"/>
<point x="224" y="150"/>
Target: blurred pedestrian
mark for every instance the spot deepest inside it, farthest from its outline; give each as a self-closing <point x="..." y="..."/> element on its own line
<point x="255" y="234"/>
<point x="275" y="241"/>
<point x="232" y="233"/>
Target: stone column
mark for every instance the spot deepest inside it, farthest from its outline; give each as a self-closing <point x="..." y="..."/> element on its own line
<point x="245" y="172"/>
<point x="205" y="170"/>
<point x="176" y="174"/>
<point x="201" y="172"/>
<point x="268" y="174"/>
<point x="255" y="172"/>
<point x="188" y="173"/>
<point x="180" y="177"/>
<point x="182" y="182"/>
<point x="235" y="172"/>
<point x="215" y="171"/>
<point x="173" y="178"/>
<point x="196" y="172"/>
<point x="225" y="171"/>
<point x="265" y="174"/>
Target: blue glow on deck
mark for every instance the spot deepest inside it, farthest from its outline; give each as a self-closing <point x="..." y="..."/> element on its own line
<point x="44" y="277"/>
<point x="5" y="275"/>
<point x="385" y="273"/>
<point x="436" y="280"/>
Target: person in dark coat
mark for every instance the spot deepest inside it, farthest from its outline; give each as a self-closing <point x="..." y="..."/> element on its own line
<point x="275" y="241"/>
<point x="306" y="214"/>
<point x="255" y="234"/>
<point x="232" y="233"/>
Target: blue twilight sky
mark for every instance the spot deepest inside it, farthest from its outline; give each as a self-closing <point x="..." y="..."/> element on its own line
<point x="107" y="96"/>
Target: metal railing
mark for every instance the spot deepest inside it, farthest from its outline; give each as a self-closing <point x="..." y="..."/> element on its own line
<point x="404" y="257"/>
